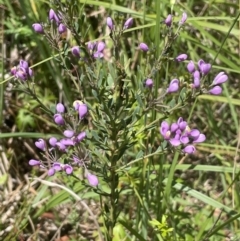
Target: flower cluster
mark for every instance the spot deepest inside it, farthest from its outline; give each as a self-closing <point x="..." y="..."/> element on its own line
<point x="179" y="134"/>
<point x="53" y="17"/>
<point x="203" y="69"/>
<point x="65" y="146"/>
<point x="22" y="71"/>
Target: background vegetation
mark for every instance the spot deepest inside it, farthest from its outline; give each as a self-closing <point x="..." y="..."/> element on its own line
<point x="203" y="201"/>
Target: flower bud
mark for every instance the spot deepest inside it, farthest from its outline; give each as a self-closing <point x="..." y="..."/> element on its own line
<point x="191" y="67"/>
<point x="204" y="67"/>
<point x="174" y="86"/>
<point x="81" y="136"/>
<point x="57" y="166"/>
<point x="196" y="79"/>
<point x="67" y="142"/>
<point x="76" y="51"/>
<point x="143" y="47"/>
<point x="21" y="74"/>
<point x="40" y="144"/>
<point x="53" y="16"/>
<point x="91" y="45"/>
<point x="52" y="141"/>
<point x="92" y="179"/>
<point x="199" y="139"/>
<point x="100" y="46"/>
<point x="194" y="133"/>
<point x="68" y="133"/>
<point x="82" y="110"/>
<point x="60" y="108"/>
<point x="33" y="162"/>
<point x="23" y="64"/>
<point x="181" y="57"/>
<point x="51" y="172"/>
<point x="128" y="23"/>
<point x="68" y="169"/>
<point x="190" y="149"/>
<point x="220" y="78"/>
<point x="58" y="119"/>
<point x="175" y="141"/>
<point x="62" y="28"/>
<point x="110" y="23"/>
<point x="61" y="146"/>
<point x="216" y="90"/>
<point x="168" y="20"/>
<point x="183" y="19"/>
<point x="149" y="83"/>
<point x="38" y="28"/>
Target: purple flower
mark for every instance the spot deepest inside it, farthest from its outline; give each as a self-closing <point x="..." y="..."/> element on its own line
<point x="51" y="172"/>
<point x="52" y="141"/>
<point x="91" y="45"/>
<point x="143" y="47"/>
<point x="68" y="169"/>
<point x="181" y="123"/>
<point x="61" y="146"/>
<point x="181" y="57"/>
<point x="200" y="138"/>
<point x="58" y="119"/>
<point x="194" y="133"/>
<point x="184" y="139"/>
<point x="57" y="166"/>
<point x="53" y="16"/>
<point x="33" y="162"/>
<point x="149" y="83"/>
<point x="175" y="142"/>
<point x="128" y="23"/>
<point x="82" y="110"/>
<point x="164" y="129"/>
<point x="174" y="127"/>
<point x="38" y="28"/>
<point x="68" y="133"/>
<point x="81" y="136"/>
<point x="40" y="144"/>
<point x="216" y="90"/>
<point x="190" y="149"/>
<point x="13" y="70"/>
<point x="21" y="74"/>
<point x="204" y="67"/>
<point x="183" y="19"/>
<point x="196" y="79"/>
<point x="23" y="64"/>
<point x="168" y="20"/>
<point x="100" y="47"/>
<point x="99" y="53"/>
<point x="62" y="28"/>
<point x="67" y="142"/>
<point x="76" y="51"/>
<point x="60" y="108"/>
<point x="220" y="79"/>
<point x="110" y="23"/>
<point x="76" y="104"/>
<point x="191" y="67"/>
<point x="92" y="179"/>
<point x="173" y="86"/>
